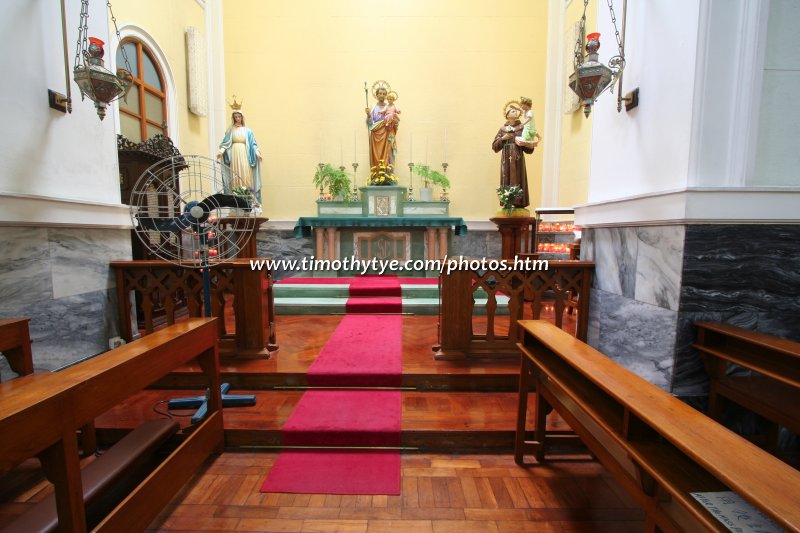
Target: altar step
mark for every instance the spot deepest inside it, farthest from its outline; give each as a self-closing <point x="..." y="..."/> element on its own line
<point x="305" y="297"/>
<point x="431" y="421"/>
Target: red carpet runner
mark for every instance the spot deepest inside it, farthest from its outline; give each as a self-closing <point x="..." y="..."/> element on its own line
<point x="364" y="351"/>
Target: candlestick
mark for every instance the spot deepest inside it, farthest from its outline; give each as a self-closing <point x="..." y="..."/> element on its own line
<point x="411" y="182"/>
<point x="355" y="182"/>
<point x="443" y="197"/>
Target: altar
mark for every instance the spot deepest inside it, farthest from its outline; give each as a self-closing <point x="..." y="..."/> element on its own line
<point x="382" y="224"/>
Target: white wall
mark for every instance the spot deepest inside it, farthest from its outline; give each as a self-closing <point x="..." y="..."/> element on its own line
<point x="646" y="150"/>
<point x="69" y="157"/>
<point x="693" y="140"/>
<point x="777" y="155"/>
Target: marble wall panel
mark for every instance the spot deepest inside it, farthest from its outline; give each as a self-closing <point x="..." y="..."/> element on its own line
<point x="477" y="243"/>
<point x="639" y="336"/>
<point x="282" y="244"/>
<point x="615" y="254"/>
<point x="59" y="278"/>
<point x="25" y="268"/>
<point x="69" y="328"/>
<point x="659" y="261"/>
<point x="81" y="257"/>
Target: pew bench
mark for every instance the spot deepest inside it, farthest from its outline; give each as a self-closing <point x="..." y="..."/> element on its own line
<point x="657" y="447"/>
<point x="15" y="344"/>
<point x="40" y="414"/>
<point x="101" y="475"/>
<point x="773" y="391"/>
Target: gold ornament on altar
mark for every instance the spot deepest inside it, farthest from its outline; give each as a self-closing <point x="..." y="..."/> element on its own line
<point x="380" y="84"/>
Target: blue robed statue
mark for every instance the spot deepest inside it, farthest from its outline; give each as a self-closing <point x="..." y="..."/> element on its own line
<point x="239" y="151"/>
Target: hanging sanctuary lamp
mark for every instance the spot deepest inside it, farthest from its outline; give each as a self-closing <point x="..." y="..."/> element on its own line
<point x="96" y="82"/>
<point x="591" y="77"/>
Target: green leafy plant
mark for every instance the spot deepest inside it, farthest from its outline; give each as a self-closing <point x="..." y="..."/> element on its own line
<point x="430" y="176"/>
<point x="508" y="194"/>
<point x="336" y="180"/>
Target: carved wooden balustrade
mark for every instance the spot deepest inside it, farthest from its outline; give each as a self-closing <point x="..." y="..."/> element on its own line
<point x="565" y="284"/>
<point x="238" y="293"/>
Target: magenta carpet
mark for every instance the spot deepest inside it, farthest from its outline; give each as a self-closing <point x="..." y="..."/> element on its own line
<point x="365" y="352"/>
<point x="335" y="472"/>
<point x="344" y="418"/>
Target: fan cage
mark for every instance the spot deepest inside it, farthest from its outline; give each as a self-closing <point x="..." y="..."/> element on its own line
<point x="163" y="196"/>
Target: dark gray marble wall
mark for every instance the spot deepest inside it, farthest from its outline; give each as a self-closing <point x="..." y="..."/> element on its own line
<point x="745" y="275"/>
<point x="281" y="244"/>
<point x="60" y="278"/>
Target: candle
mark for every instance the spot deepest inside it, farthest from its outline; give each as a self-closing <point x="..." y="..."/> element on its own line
<point x="341" y="152"/>
<point x="426" y="149"/>
<point x="355" y="154"/>
<point x="411" y="149"/>
<point x="445" y="145"/>
<point x="320" y="148"/>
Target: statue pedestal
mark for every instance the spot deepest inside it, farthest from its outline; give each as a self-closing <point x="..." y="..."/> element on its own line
<point x="515" y="233"/>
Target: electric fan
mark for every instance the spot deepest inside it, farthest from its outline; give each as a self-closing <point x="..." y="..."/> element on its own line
<point x="186" y="210"/>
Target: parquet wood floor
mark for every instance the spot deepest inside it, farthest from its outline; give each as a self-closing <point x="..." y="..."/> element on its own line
<point x="440" y="494"/>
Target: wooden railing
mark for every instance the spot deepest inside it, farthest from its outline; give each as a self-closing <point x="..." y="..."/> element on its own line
<point x="40" y="413"/>
<point x="238" y="293"/>
<point x="565" y="284"/>
<point x="658" y="448"/>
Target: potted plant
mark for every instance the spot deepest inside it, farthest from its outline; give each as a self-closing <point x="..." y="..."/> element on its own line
<point x="507" y="195"/>
<point x="430" y="176"/>
<point x="335" y="180"/>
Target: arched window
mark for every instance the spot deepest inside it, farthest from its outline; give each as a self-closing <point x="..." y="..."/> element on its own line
<point x="145" y="112"/>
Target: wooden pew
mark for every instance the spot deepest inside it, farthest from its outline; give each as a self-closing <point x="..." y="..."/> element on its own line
<point x="39" y="415"/>
<point x="657" y="447"/>
<point x="15" y="343"/>
<point x="101" y="475"/>
<point x="773" y="392"/>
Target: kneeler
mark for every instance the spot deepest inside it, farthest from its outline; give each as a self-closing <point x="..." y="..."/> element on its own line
<point x="201" y="402"/>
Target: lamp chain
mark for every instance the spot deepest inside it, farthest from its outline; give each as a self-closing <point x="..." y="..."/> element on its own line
<point x="119" y="38"/>
<point x="578" y="56"/>
<point x="614" y="22"/>
<point x="83" y="30"/>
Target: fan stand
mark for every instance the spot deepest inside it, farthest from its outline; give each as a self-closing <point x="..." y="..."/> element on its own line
<point x="199" y="195"/>
<point x="201" y="402"/>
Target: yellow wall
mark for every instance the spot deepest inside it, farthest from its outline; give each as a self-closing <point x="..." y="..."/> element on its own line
<point x="576" y="129"/>
<point x="166" y="23"/>
<point x="300" y="68"/>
